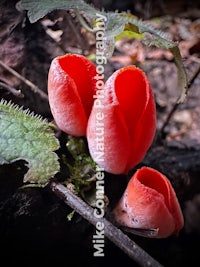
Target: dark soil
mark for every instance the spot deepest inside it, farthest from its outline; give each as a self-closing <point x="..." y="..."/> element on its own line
<point x="33" y="221"/>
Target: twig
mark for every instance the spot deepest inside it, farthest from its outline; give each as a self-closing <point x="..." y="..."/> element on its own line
<point x="83" y="22"/>
<point x="12" y="90"/>
<point x="111" y="232"/>
<point x="33" y="87"/>
<point x="75" y="32"/>
<point x="192" y="79"/>
<point x="174" y="108"/>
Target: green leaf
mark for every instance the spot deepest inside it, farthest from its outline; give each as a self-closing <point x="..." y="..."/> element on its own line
<point x="130" y="35"/>
<point x="151" y="37"/>
<point x="30" y="138"/>
<point x="115" y="24"/>
<point x="39" y="8"/>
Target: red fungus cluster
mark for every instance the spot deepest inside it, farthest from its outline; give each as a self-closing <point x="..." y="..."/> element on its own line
<point x="128" y="116"/>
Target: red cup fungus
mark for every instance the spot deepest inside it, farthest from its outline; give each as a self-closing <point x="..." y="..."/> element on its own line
<point x="71" y="86"/>
<point x="128" y="121"/>
<point x="150" y="202"/>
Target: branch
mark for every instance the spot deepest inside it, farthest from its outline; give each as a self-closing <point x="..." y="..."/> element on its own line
<point x="111" y="232"/>
<point x="33" y="87"/>
<point x="12" y="90"/>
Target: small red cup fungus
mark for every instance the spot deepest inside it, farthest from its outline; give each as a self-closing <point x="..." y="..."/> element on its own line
<point x="150" y="202"/>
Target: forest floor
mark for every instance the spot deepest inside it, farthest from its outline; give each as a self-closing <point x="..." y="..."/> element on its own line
<point x="33" y="224"/>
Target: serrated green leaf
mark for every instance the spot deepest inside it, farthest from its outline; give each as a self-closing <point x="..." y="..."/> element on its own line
<point x="115" y="24"/>
<point x="154" y="37"/>
<point x="38" y="9"/>
<point x="30" y="138"/>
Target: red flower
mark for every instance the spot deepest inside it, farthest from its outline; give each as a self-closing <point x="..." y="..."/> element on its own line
<point x="71" y="86"/>
<point x="149" y="202"/>
<point x="127" y="116"/>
